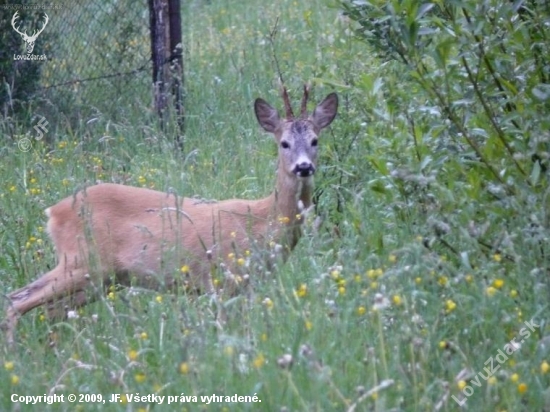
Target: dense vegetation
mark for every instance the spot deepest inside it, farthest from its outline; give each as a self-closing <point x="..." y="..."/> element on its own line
<point x="433" y="189"/>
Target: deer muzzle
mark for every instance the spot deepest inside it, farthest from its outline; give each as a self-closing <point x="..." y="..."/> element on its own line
<point x="304" y="169"/>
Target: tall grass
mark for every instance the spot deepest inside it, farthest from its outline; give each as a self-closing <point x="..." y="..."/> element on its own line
<point x="363" y="316"/>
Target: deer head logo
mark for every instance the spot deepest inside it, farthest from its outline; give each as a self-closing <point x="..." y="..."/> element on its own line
<point x="29" y="39"/>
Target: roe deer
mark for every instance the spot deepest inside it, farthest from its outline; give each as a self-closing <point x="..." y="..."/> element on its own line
<point x="127" y="235"/>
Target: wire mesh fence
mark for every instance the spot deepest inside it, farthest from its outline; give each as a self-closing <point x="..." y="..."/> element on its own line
<point x="97" y="57"/>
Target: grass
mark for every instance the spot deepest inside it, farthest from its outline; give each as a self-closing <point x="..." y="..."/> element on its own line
<point x="371" y="318"/>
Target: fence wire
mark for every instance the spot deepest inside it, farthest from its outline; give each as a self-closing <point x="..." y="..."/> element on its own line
<point x="97" y="55"/>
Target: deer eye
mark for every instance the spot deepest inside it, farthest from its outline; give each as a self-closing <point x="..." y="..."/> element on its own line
<point x="285" y="145"/>
<point x="314" y="142"/>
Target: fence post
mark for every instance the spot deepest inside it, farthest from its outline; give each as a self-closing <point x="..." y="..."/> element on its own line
<point x="158" y="13"/>
<point x="166" y="55"/>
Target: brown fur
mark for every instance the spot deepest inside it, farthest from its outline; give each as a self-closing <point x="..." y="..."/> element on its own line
<point x="143" y="236"/>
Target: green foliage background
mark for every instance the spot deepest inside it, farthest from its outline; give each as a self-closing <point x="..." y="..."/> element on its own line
<point x="433" y="187"/>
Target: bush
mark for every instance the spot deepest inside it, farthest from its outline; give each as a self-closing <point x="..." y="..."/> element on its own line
<point x="467" y="85"/>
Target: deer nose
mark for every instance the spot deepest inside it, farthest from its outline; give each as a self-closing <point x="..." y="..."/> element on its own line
<point x="304" y="169"/>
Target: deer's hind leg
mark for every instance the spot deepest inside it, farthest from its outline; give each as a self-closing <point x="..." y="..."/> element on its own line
<point x="53" y="286"/>
<point x="59" y="309"/>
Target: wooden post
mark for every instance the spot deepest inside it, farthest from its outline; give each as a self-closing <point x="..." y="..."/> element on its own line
<point x="167" y="58"/>
<point x="158" y="13"/>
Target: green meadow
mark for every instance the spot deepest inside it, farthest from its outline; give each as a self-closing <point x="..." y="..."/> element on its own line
<point x="426" y="285"/>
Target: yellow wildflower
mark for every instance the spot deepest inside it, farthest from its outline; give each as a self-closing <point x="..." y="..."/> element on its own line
<point x="139" y="377"/>
<point x="258" y="361"/>
<point x="498" y="283"/>
<point x="302" y="290"/>
<point x="450" y="305"/>
<point x="374" y="273"/>
<point x="284" y="220"/>
<point x="268" y="303"/>
<point x="184" y="368"/>
<point x="490" y="291"/>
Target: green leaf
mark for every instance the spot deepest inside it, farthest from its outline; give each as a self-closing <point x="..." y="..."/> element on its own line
<point x="535" y="173"/>
<point x="542" y="91"/>
<point x="423" y="9"/>
<point x="379" y="164"/>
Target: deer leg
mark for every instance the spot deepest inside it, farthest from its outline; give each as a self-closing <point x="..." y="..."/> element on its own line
<point x="50" y="287"/>
<point x="58" y="309"/>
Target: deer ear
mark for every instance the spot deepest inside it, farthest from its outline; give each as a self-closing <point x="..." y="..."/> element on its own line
<point x="325" y="112"/>
<point x="267" y="116"/>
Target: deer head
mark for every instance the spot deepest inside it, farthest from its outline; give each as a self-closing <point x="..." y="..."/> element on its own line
<point x="29" y="39"/>
<point x="297" y="137"/>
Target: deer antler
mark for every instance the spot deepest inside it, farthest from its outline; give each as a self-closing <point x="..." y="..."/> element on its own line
<point x="36" y="33"/>
<point x="288" y="107"/>
<point x="13" y="20"/>
<point x="26" y="37"/>
<point x="303" y="110"/>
